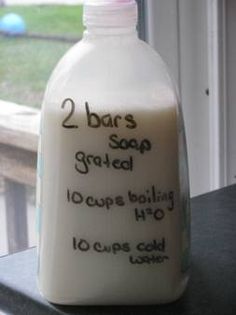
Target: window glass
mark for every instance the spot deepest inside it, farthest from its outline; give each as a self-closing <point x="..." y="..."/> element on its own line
<point x="33" y="38"/>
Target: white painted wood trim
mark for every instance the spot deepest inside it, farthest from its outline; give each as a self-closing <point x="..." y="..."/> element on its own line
<point x="223" y="95"/>
<point x="214" y="94"/>
<point x="217" y="94"/>
<point x="178" y="29"/>
<point x="230" y="70"/>
<point x="162" y="31"/>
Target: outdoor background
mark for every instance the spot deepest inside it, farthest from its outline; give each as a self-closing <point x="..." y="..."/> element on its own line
<point x="26" y="63"/>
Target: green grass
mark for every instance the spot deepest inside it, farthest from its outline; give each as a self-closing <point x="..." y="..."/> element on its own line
<point x="26" y="64"/>
<point x="62" y="20"/>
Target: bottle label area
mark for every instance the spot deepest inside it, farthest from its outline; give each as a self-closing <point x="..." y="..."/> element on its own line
<point x="111" y="181"/>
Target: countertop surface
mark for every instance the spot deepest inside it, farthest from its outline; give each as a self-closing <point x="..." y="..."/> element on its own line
<point x="212" y="285"/>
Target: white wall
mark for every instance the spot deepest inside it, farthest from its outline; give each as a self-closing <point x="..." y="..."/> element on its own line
<point x="231" y="88"/>
<point x="179" y="31"/>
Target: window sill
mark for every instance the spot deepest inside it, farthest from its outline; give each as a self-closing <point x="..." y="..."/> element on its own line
<point x="211" y="289"/>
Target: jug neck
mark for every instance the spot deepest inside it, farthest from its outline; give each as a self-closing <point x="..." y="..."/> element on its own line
<point x="110" y="17"/>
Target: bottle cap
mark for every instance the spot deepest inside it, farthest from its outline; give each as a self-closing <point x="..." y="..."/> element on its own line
<point x="110" y="13"/>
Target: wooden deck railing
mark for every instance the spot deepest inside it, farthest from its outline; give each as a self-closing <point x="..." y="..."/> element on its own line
<point x="19" y="126"/>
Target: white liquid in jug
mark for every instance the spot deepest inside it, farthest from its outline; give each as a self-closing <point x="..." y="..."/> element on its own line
<point x="114" y="198"/>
